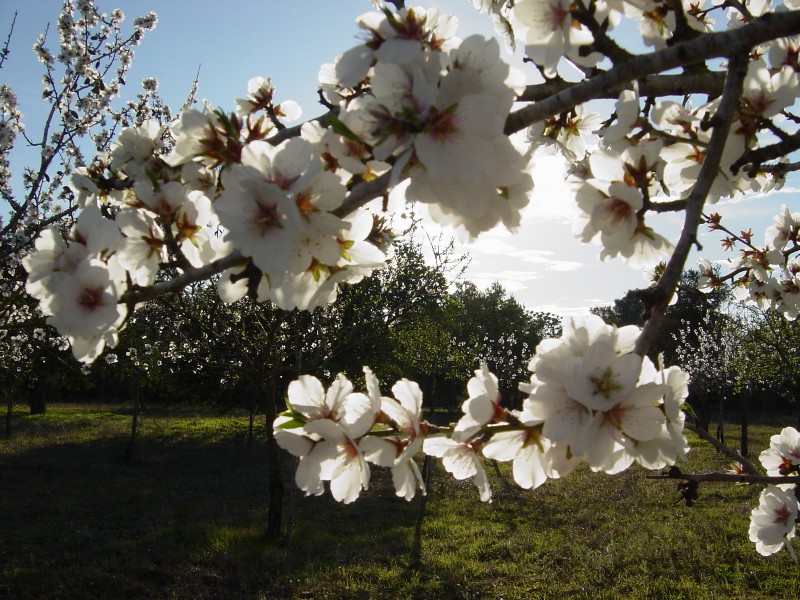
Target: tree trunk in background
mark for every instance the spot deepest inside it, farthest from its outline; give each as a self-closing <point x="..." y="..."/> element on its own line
<point x="416" y="547"/>
<point x="136" y="393"/>
<point x="252" y="409"/>
<point x="795" y="389"/>
<point x="743" y="445"/>
<point x="275" y="509"/>
<point x="38" y="400"/>
<point x="721" y="421"/>
<point x="9" y="411"/>
<point x="702" y="409"/>
<point x="705" y="419"/>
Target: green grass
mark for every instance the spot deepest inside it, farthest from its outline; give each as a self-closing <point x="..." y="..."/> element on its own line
<point x="186" y="519"/>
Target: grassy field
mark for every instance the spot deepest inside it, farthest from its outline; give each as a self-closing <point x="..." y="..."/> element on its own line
<point x="186" y="519"/>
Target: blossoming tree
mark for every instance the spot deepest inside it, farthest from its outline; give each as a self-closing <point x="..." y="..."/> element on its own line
<point x="286" y="215"/>
<point x="80" y="82"/>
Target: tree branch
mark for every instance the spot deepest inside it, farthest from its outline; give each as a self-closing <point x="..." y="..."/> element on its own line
<point x="363" y="193"/>
<point x="713" y="45"/>
<point x="721" y="122"/>
<point x="140" y="294"/>
<point x="290" y="132"/>
<point x="709" y="83"/>
<point x="760" y="155"/>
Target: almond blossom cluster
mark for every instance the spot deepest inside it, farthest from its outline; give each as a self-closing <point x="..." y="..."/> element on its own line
<point x="229" y="189"/>
<point x="173" y="208"/>
<point x="435" y="107"/>
<point x="590" y="399"/>
<point x="773" y="523"/>
<point x="331" y="432"/>
<point x="644" y="164"/>
<point x="767" y="275"/>
<point x="648" y="155"/>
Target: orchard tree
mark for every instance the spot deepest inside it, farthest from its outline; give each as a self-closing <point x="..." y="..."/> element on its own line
<point x="374" y="316"/>
<point x="84" y="71"/>
<point x="493" y="328"/>
<point x="710" y="355"/>
<point x="772" y="358"/>
<point x="445" y="122"/>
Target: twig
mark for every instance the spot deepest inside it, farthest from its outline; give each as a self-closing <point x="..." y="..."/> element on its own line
<point x="7" y="45"/>
<point x="726" y="450"/>
<point x="725" y="477"/>
<point x="135" y="295"/>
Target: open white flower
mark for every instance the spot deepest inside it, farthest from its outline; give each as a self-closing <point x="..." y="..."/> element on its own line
<point x="85" y="308"/>
<point x="785" y="228"/>
<point x="551" y="32"/>
<point x="261" y="220"/>
<point x="134" y="148"/>
<point x="460" y="460"/>
<point x="482" y="405"/>
<point x="773" y="521"/>
<point x="529" y="451"/>
<point x="783" y="455"/>
<point x="144" y="248"/>
<point x="328" y="443"/>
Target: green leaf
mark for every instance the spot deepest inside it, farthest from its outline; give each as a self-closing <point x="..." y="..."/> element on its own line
<point x="338" y="127"/>
<point x="296" y="419"/>
<point x="293" y="424"/>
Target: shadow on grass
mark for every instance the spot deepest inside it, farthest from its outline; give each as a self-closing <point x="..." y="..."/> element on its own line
<point x="186" y="519"/>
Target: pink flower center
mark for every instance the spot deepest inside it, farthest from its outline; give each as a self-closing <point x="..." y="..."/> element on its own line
<point x="782" y="515"/>
<point x="354" y="149"/>
<point x="304" y="203"/>
<point x="283" y="181"/>
<point x="267" y="217"/>
<point x="618" y="210"/>
<point x="442" y="126"/>
<point x="91" y="299"/>
<point x="613" y="416"/>
<point x="350" y="449"/>
<point x="186" y="229"/>
<point x="558" y="14"/>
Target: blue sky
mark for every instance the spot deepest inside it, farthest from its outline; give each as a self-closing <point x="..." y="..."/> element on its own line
<point x="230" y="42"/>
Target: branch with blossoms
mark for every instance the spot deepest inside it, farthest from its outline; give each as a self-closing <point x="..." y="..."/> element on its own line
<point x="720" y="123"/>
<point x="589" y="400"/>
<point x="726" y="477"/>
<point x="764" y="276"/>
<point x="773" y="524"/>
